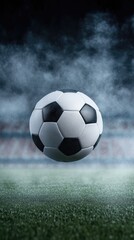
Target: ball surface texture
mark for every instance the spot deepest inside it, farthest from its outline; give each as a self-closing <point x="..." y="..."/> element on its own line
<point x="66" y="125"/>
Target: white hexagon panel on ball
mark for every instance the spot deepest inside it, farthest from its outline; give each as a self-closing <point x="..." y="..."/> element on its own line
<point x="66" y="125"/>
<point x="71" y="124"/>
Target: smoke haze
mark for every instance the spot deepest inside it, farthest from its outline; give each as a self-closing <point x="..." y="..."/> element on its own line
<point x="99" y="62"/>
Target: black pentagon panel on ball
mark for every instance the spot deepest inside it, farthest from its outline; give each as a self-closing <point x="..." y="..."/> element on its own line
<point x="97" y="141"/>
<point x="70" y="146"/>
<point x="89" y="114"/>
<point x="38" y="142"/>
<point x="52" y="112"/>
<point x="68" y="90"/>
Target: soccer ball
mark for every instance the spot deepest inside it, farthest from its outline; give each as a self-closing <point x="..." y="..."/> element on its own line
<point x="66" y="125"/>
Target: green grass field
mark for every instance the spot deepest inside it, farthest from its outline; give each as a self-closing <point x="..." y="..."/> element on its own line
<point x="67" y="203"/>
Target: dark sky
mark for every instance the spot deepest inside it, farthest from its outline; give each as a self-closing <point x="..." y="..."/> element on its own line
<point x="17" y="18"/>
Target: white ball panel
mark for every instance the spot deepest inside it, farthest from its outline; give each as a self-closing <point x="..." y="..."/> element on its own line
<point x="50" y="134"/>
<point x="99" y="121"/>
<point x="70" y="101"/>
<point x="55" y="154"/>
<point x="88" y="100"/>
<point x="51" y="97"/>
<point x="83" y="153"/>
<point x="71" y="124"/>
<point x="35" y="121"/>
<point x="89" y="136"/>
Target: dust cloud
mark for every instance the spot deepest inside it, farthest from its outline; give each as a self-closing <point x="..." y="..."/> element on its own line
<point x="100" y="63"/>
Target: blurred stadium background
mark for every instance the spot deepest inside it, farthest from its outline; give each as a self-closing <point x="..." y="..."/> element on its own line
<point x="49" y="45"/>
<point x="115" y="147"/>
